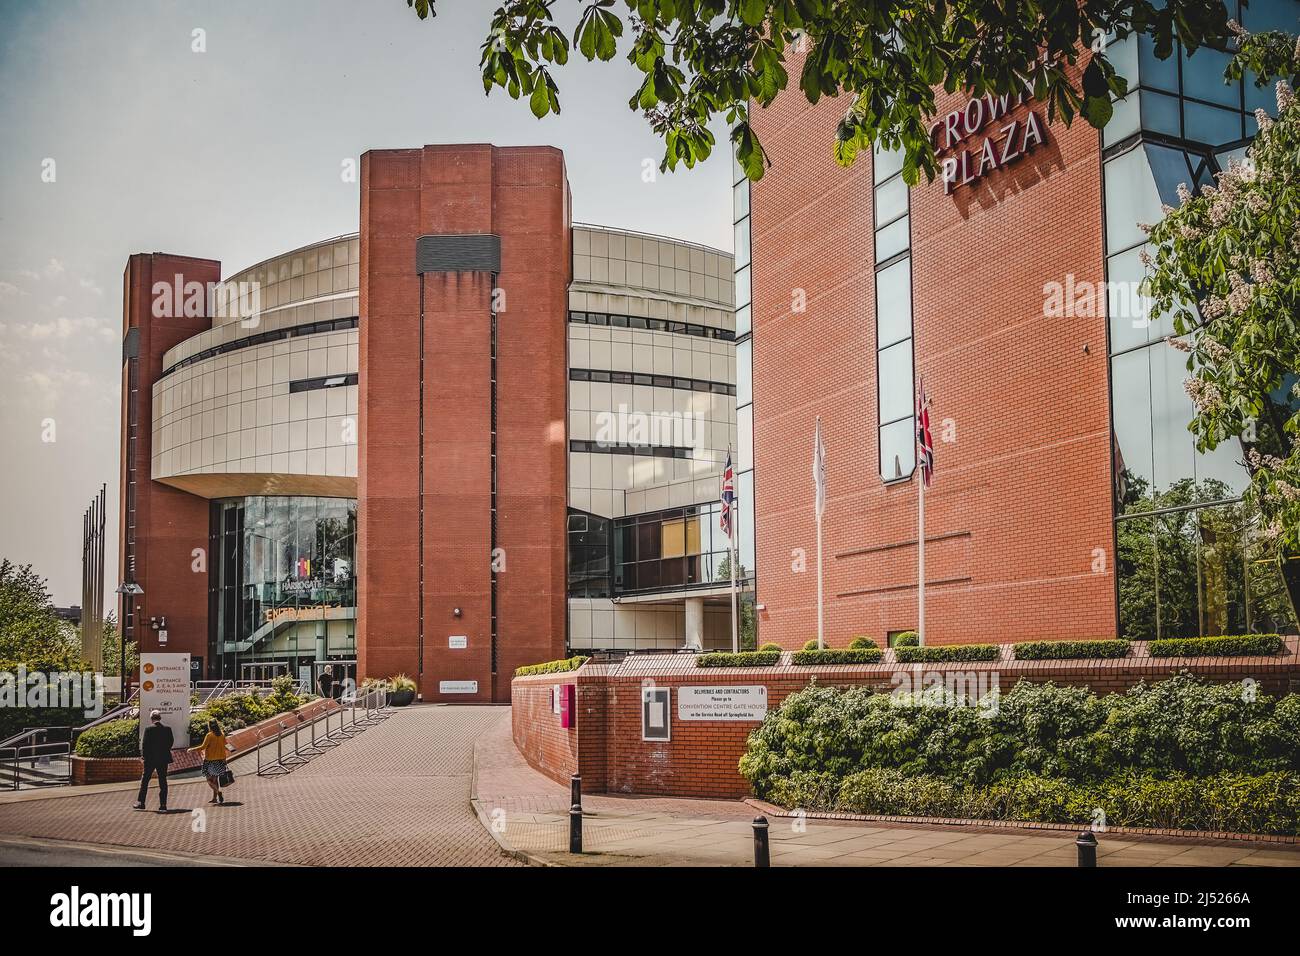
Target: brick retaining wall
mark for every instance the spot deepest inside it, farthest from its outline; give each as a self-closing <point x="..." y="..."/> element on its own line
<point x="87" y="770"/>
<point x="700" y="758"/>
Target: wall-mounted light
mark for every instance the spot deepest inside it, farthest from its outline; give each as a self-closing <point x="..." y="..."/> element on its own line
<point x="455" y="612"/>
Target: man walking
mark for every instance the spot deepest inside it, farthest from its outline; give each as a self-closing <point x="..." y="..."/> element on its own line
<point x="156" y="750"/>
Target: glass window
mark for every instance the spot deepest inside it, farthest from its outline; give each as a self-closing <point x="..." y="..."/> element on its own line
<point x="891" y="201"/>
<point x="1203" y="77"/>
<point x="742" y="243"/>
<point x="893" y="239"/>
<point x="1137" y="183"/>
<point x="1208" y="124"/>
<point x="1154" y="72"/>
<point x="745" y="563"/>
<point x="894" y="303"/>
<point x="1131" y="401"/>
<point x="897" y="450"/>
<point x="745" y="437"/>
<point x="886" y="163"/>
<point x="744" y="372"/>
<point x="1171" y="411"/>
<point x="1160" y="113"/>
<point x="743" y="320"/>
<point x="742" y="287"/>
<point x="895" y="372"/>
<point x="674" y="538"/>
<point x="740" y="200"/>
<point x="1125" y="121"/>
<point x="1129" y="313"/>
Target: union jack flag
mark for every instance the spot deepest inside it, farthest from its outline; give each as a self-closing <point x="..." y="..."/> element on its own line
<point x="924" y="444"/>
<point x="728" y="496"/>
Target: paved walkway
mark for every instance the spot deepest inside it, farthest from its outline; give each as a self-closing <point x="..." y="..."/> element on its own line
<point x="530" y="812"/>
<point x="397" y="794"/>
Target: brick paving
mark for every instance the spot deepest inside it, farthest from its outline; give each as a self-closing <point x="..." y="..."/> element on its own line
<point x="532" y="811"/>
<point x="397" y="794"/>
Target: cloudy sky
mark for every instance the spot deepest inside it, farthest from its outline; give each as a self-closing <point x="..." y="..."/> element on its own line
<point x="233" y="153"/>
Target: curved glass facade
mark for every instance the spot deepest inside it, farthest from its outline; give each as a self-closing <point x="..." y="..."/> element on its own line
<point x="282" y="585"/>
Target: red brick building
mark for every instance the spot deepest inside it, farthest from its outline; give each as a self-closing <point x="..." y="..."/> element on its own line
<point x="1008" y="285"/>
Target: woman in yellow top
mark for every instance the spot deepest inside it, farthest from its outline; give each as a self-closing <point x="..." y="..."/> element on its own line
<point x="214" y="749"/>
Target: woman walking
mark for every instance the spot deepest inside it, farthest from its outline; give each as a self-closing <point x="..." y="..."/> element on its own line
<point x="214" y="749"/>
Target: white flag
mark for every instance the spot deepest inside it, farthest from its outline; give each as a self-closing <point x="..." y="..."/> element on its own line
<point x="819" y="468"/>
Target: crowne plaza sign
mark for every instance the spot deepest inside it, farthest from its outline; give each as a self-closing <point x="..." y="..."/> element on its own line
<point x="982" y="138"/>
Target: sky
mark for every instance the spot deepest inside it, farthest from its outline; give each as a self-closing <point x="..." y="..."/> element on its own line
<point x="120" y="137"/>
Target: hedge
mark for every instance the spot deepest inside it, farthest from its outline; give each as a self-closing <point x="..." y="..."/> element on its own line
<point x="1175" y="726"/>
<point x="743" y="659"/>
<point x="771" y="647"/>
<point x="861" y="642"/>
<point x="1248" y="645"/>
<point x="552" y="667"/>
<point x="941" y="653"/>
<point x="1228" y="802"/>
<point x="907" y="639"/>
<point x="1070" y="650"/>
<point x="839" y="655"/>
<point x="116" y="738"/>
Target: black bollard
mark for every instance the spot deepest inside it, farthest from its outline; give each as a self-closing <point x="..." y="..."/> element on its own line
<point x="575" y="790"/>
<point x="1087" y="846"/>
<point x="762" y="852"/>
<point x="575" y="829"/>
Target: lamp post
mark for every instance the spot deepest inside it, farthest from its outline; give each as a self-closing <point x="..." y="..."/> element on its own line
<point x="129" y="590"/>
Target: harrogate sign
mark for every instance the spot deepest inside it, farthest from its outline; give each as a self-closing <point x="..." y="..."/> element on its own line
<point x="1006" y="141"/>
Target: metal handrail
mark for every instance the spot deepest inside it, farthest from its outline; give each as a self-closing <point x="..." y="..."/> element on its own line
<point x="14" y="756"/>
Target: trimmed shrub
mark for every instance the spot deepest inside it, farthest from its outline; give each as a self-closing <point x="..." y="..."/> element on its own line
<point x="743" y="659"/>
<point x="552" y="667"/>
<point x="907" y="639"/>
<point x="1175" y="726"/>
<point x="1069" y="650"/>
<point x="771" y="647"/>
<point x="810" y="645"/>
<point x="116" y="738"/>
<point x="1249" y="645"/>
<point x="861" y="642"/>
<point x="941" y="653"/>
<point x="839" y="655"/>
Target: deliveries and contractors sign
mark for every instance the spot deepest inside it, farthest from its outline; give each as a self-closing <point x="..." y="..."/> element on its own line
<point x="165" y="687"/>
<point x="747" y="702"/>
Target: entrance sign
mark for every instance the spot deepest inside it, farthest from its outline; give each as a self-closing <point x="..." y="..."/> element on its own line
<point x="747" y="702"/>
<point x="654" y="713"/>
<point x="165" y="687"/>
<point x="457" y="687"/>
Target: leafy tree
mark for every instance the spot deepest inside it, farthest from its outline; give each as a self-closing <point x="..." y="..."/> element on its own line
<point x="704" y="59"/>
<point x="30" y="632"/>
<point x="747" y="629"/>
<point x="1226" y="266"/>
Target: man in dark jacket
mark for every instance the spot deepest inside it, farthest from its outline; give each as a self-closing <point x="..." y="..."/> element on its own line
<point x="156" y="751"/>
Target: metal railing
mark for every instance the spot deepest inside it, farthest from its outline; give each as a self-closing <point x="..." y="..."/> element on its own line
<point x="36" y="764"/>
<point x="292" y="750"/>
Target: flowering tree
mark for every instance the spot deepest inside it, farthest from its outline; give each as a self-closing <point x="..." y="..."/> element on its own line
<point x="1234" y="249"/>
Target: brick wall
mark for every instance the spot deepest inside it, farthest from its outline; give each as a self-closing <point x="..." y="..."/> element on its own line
<point x="701" y="758"/>
<point x="522" y="196"/>
<point x="1019" y="533"/>
<point x="170" y="523"/>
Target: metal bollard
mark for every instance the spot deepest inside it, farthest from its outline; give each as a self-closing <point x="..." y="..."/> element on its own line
<point x="575" y="829"/>
<point x="575" y="790"/>
<point x="1087" y="847"/>
<point x="762" y="851"/>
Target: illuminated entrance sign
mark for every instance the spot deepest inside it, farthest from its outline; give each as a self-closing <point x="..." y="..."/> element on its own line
<point x="1006" y="141"/>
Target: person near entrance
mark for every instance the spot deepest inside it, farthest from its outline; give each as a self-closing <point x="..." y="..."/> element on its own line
<point x="214" y="749"/>
<point x="156" y="752"/>
<point x="326" y="681"/>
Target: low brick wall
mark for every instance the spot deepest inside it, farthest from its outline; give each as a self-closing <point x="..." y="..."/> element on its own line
<point x="88" y="770"/>
<point x="700" y="758"/>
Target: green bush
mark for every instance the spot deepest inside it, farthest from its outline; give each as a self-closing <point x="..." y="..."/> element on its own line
<point x="810" y="645"/>
<point x="743" y="659"/>
<point x="1069" y="650"/>
<point x="1175" y="726"/>
<point x="401" y="683"/>
<point x="1231" y="802"/>
<point x="117" y="738"/>
<point x="1249" y="645"/>
<point x="907" y="639"/>
<point x="861" y="642"/>
<point x="839" y="655"/>
<point x="941" y="653"/>
<point x="771" y="647"/>
<point x="552" y="667"/>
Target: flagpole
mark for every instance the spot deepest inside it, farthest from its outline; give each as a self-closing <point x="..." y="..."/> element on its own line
<point x="920" y="604"/>
<point x="821" y="612"/>
<point x="731" y="564"/>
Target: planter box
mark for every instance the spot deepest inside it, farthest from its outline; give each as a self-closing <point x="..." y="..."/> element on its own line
<point x="88" y="770"/>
